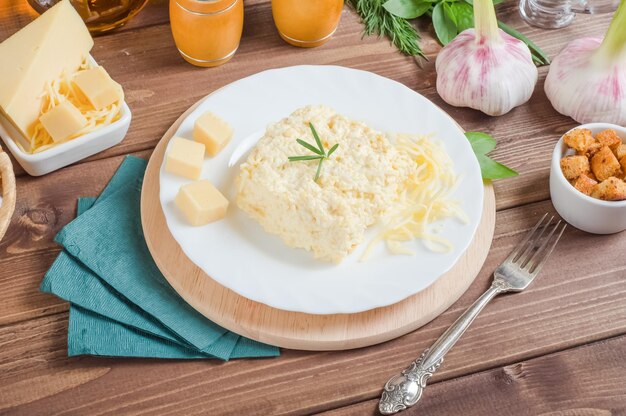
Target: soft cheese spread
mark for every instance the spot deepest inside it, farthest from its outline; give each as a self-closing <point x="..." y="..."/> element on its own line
<point x="359" y="183"/>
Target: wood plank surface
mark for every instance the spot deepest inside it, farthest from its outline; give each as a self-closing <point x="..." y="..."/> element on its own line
<point x="583" y="381"/>
<point x="500" y="363"/>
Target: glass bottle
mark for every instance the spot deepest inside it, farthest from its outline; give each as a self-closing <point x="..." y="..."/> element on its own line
<point x="99" y="15"/>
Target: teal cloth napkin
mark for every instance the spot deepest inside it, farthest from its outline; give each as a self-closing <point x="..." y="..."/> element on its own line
<point x="117" y="292"/>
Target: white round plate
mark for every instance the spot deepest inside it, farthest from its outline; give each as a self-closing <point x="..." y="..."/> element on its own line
<point x="238" y="254"/>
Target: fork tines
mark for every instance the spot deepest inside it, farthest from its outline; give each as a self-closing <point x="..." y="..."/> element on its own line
<point x="535" y="249"/>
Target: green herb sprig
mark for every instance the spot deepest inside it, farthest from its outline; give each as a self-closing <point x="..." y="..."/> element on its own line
<point x="482" y="143"/>
<point x="320" y="152"/>
<point x="450" y="17"/>
<point x="380" y="22"/>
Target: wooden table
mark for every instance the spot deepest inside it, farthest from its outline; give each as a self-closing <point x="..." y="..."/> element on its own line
<point x="559" y="348"/>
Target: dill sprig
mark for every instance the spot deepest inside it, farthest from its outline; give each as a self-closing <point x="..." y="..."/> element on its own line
<point x="378" y="21"/>
<point x="320" y="152"/>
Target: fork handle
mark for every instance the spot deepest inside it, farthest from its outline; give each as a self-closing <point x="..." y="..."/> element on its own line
<point x="405" y="389"/>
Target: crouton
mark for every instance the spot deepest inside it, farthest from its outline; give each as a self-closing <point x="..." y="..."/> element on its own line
<point x="611" y="189"/>
<point x="574" y="166"/>
<point x="584" y="184"/>
<point x="591" y="150"/>
<point x="622" y="162"/>
<point x="579" y="139"/>
<point x="604" y="164"/>
<point x="609" y="138"/>
<point x="620" y="151"/>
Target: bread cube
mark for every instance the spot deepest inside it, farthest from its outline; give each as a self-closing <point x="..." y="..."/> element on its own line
<point x="579" y="139"/>
<point x="622" y="162"/>
<point x="591" y="150"/>
<point x="584" y="184"/>
<point x="574" y="166"/>
<point x="620" y="151"/>
<point x="609" y="138"/>
<point x="611" y="189"/>
<point x="604" y="164"/>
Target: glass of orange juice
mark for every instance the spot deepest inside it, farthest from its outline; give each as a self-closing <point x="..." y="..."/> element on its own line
<point x="306" y="23"/>
<point x="206" y="32"/>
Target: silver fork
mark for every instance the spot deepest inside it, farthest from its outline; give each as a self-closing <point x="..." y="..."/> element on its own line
<point x="513" y="275"/>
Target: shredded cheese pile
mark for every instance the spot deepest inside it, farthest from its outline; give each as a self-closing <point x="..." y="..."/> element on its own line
<point x="63" y="89"/>
<point x="427" y="199"/>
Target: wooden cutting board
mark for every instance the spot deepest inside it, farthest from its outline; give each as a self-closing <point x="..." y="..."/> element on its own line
<point x="293" y="329"/>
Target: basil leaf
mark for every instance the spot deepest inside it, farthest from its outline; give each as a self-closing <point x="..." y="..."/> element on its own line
<point x="464" y="15"/>
<point x="444" y="27"/>
<point x="407" y="9"/>
<point x="447" y="9"/>
<point x="490" y="169"/>
<point x="482" y="143"/>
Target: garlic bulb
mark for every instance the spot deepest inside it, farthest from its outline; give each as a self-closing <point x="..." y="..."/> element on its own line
<point x="587" y="79"/>
<point x="485" y="68"/>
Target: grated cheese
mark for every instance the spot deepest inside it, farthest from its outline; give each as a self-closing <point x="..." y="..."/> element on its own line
<point x="60" y="90"/>
<point x="426" y="199"/>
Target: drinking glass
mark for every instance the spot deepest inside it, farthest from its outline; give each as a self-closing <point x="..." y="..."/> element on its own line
<point x="206" y="32"/>
<point x="306" y="23"/>
<point x="554" y="14"/>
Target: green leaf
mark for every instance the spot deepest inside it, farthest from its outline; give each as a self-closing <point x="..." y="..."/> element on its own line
<point x="308" y="157"/>
<point x="447" y="9"/>
<point x="332" y="149"/>
<point x="482" y="143"/>
<point x="444" y="27"/>
<point x="463" y="15"/>
<point x="310" y="147"/>
<point x="317" y="138"/>
<point x="319" y="169"/>
<point x="535" y="50"/>
<point x="490" y="169"/>
<point x="407" y="9"/>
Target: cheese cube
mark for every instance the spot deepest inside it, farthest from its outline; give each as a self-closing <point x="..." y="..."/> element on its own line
<point x="201" y="202"/>
<point x="214" y="132"/>
<point x="185" y="158"/>
<point x="98" y="87"/>
<point x="63" y="121"/>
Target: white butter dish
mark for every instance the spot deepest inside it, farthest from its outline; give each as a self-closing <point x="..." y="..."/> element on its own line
<point x="69" y="152"/>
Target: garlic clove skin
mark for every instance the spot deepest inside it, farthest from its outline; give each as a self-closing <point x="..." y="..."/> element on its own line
<point x="492" y="76"/>
<point x="584" y="89"/>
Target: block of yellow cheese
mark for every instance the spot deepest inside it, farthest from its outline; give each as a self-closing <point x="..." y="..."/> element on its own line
<point x="63" y="121"/>
<point x="98" y="87"/>
<point x="201" y="202"/>
<point x="214" y="132"/>
<point x="185" y="158"/>
<point x="55" y="42"/>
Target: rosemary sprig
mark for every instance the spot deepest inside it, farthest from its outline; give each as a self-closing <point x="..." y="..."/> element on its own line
<point x="320" y="153"/>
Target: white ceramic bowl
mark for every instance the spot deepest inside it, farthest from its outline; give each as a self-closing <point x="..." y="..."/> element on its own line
<point x="69" y="152"/>
<point x="582" y="211"/>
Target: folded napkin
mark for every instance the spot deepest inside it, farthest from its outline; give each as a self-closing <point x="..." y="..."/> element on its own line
<point x="121" y="305"/>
